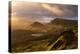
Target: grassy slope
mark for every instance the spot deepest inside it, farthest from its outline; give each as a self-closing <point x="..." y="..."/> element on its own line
<point x="24" y="42"/>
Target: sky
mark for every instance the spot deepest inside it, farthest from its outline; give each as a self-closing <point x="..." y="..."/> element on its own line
<point x="42" y="12"/>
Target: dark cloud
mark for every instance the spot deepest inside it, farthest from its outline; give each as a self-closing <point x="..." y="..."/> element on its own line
<point x="60" y="10"/>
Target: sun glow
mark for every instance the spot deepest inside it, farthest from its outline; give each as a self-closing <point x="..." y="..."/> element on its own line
<point x="14" y="19"/>
<point x="19" y="23"/>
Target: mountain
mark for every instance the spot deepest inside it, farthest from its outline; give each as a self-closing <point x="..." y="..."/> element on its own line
<point x="37" y="24"/>
<point x="38" y="27"/>
<point x="64" y="22"/>
<point x="58" y="25"/>
<point x="36" y="35"/>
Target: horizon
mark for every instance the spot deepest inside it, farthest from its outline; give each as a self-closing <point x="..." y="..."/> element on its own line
<point x="24" y="13"/>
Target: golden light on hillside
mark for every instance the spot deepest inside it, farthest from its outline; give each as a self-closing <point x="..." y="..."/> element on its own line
<point x="14" y="19"/>
<point x="19" y="23"/>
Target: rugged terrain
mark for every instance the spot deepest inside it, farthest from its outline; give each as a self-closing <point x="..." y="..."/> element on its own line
<point x="59" y="34"/>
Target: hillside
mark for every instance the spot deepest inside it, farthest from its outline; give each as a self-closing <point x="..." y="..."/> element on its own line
<point x="50" y="35"/>
<point x="64" y="22"/>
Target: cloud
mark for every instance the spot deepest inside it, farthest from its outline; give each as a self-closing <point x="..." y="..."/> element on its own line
<point x="62" y="10"/>
<point x="25" y="13"/>
<point x="39" y="10"/>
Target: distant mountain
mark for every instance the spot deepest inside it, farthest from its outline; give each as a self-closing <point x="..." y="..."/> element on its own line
<point x="57" y="25"/>
<point x="37" y="24"/>
<point x="64" y="22"/>
<point x="38" y="27"/>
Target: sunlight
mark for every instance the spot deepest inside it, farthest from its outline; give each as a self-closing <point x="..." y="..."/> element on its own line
<point x="55" y="10"/>
<point x="14" y="19"/>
